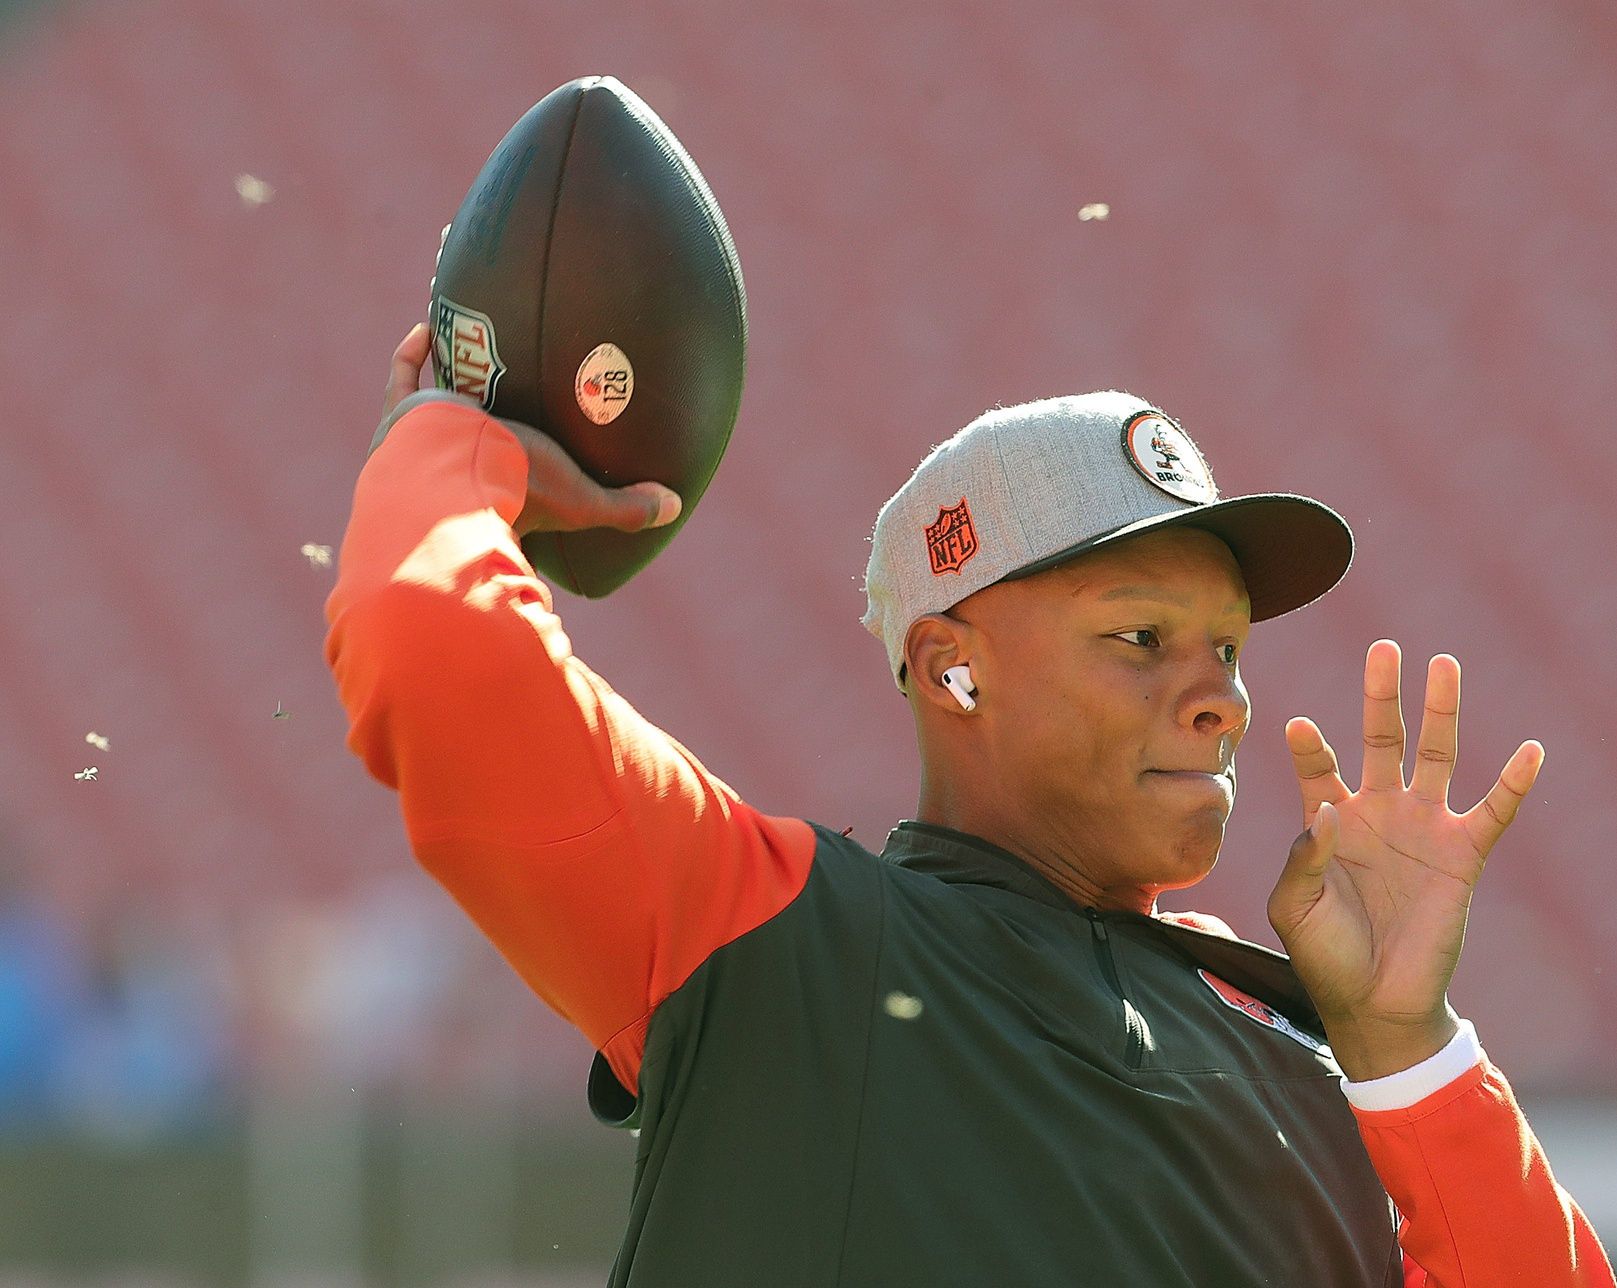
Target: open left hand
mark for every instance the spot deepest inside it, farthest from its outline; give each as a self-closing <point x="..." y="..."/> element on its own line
<point x="1372" y="902"/>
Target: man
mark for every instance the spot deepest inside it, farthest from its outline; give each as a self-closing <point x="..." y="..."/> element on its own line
<point x="982" y="1058"/>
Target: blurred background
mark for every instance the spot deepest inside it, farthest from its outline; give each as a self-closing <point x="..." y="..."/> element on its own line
<point x="1356" y="250"/>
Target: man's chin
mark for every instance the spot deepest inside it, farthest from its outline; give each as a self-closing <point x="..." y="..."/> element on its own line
<point x="1196" y="854"/>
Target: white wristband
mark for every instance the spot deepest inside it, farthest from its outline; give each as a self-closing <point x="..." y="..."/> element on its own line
<point x="1412" y="1085"/>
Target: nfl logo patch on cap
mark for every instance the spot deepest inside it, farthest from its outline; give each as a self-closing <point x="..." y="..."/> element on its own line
<point x="951" y="540"/>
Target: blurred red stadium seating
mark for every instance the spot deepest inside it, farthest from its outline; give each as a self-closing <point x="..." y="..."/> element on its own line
<point x="1356" y="250"/>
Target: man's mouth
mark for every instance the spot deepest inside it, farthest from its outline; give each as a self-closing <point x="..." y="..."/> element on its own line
<point x="1218" y="779"/>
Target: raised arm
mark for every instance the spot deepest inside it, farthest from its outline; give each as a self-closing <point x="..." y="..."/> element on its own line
<point x="597" y="854"/>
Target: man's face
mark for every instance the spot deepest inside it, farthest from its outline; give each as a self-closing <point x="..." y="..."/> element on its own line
<point x="1112" y="706"/>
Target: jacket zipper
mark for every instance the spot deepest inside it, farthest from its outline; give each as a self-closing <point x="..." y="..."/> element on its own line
<point x="1106" y="955"/>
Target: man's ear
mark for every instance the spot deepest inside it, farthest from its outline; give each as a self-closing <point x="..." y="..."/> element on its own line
<point x="934" y="643"/>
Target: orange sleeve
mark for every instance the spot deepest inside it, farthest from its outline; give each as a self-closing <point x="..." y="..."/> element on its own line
<point x="598" y="855"/>
<point x="1480" y="1205"/>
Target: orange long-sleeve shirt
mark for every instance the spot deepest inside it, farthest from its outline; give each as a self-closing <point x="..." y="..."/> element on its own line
<point x="609" y="866"/>
<point x="1480" y="1205"/>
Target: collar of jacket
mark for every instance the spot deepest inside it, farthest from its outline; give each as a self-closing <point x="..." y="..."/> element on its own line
<point x="960" y="858"/>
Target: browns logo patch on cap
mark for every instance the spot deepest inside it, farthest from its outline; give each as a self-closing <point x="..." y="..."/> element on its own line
<point x="952" y="540"/>
<point x="1165" y="456"/>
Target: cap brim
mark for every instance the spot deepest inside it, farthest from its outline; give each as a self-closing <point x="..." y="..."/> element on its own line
<point x="1291" y="549"/>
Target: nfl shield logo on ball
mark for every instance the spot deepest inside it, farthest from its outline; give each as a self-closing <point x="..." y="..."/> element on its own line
<point x="463" y="351"/>
<point x="951" y="540"/>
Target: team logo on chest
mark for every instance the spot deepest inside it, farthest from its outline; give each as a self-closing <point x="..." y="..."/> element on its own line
<point x="951" y="540"/>
<point x="1262" y="1012"/>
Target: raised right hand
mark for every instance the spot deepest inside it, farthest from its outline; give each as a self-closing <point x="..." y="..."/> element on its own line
<point x="561" y="497"/>
<point x="1373" y="900"/>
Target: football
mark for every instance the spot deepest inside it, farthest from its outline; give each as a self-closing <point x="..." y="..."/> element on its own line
<point x="588" y="286"/>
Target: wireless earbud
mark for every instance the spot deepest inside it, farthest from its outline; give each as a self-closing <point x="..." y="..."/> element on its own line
<point x="957" y="679"/>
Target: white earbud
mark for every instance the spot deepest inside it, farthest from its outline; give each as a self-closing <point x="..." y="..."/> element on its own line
<point x="957" y="679"/>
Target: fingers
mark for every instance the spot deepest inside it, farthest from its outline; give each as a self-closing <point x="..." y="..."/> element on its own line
<point x="640" y="506"/>
<point x="574" y="504"/>
<point x="1486" y="821"/>
<point x="1383" y="719"/>
<point x="1319" y="778"/>
<point x="563" y="498"/>
<point x="404" y="376"/>
<point x="1439" y="731"/>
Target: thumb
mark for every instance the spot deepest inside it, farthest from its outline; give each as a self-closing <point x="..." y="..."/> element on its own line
<point x="574" y="503"/>
<point x="1303" y="876"/>
<point x="404" y="372"/>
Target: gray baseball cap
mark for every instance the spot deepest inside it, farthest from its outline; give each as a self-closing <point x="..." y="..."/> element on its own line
<point x="1024" y="488"/>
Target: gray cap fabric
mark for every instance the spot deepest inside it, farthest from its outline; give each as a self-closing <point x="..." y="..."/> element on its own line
<point x="1024" y="488"/>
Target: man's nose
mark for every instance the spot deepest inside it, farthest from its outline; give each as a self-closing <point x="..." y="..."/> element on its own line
<point x="1216" y="702"/>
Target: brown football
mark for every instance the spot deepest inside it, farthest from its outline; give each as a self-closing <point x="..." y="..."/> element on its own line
<point x="588" y="286"/>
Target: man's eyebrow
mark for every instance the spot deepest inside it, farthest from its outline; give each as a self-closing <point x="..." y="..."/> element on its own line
<point x="1156" y="595"/>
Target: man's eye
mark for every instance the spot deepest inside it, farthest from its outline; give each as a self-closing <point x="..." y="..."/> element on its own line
<point x="1227" y="652"/>
<point x="1145" y="638"/>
